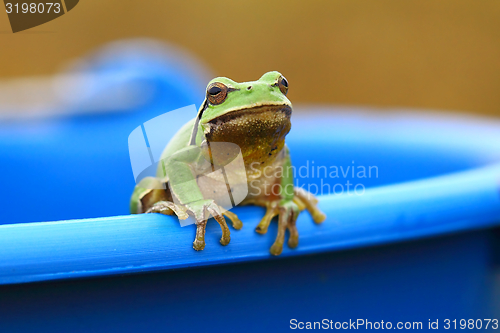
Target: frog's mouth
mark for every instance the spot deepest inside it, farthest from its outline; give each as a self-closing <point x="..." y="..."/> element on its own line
<point x="259" y="131"/>
<point x="255" y="111"/>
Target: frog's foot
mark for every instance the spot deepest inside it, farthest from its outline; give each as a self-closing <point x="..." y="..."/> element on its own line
<point x="288" y="212"/>
<point x="305" y="199"/>
<point x="202" y="211"/>
<point x="168" y="208"/>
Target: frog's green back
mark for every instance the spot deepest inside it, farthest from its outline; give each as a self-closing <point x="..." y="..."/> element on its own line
<point x="179" y="141"/>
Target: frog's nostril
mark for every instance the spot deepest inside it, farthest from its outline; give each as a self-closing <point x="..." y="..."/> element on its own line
<point x="249" y="87"/>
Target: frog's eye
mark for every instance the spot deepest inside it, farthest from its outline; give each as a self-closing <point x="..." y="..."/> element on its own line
<point x="217" y="93"/>
<point x="283" y="84"/>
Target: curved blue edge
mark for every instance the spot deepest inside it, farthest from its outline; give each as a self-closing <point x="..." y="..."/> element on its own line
<point x="126" y="244"/>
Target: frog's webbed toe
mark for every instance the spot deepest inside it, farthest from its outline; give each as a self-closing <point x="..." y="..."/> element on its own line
<point x="310" y="203"/>
<point x="288" y="213"/>
<point x="237" y="224"/>
<point x="215" y="211"/>
<point x="199" y="241"/>
<point x="272" y="210"/>
<point x="168" y="208"/>
<point x="201" y="222"/>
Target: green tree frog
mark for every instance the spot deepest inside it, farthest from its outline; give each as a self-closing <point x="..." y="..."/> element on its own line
<point x="256" y="117"/>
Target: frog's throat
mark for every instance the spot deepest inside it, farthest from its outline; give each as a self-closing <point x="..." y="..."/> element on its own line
<point x="258" y="131"/>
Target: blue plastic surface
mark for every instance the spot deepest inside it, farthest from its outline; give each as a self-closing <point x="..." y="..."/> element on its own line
<point x="433" y="279"/>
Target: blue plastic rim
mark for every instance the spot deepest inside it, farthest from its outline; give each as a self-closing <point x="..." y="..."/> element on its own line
<point x="429" y="176"/>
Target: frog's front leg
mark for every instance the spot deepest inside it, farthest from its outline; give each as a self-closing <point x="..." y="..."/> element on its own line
<point x="202" y="211"/>
<point x="293" y="200"/>
<point x="209" y="208"/>
<point x="183" y="185"/>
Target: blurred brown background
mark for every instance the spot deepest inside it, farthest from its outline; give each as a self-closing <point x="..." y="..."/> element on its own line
<point x="423" y="54"/>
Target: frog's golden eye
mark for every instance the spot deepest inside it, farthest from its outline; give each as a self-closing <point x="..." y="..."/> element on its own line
<point x="217" y="93"/>
<point x="283" y="84"/>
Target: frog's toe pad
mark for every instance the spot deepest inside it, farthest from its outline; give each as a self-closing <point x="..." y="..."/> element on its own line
<point x="276" y="249"/>
<point x="225" y="240"/>
<point x="272" y="211"/>
<point x="319" y="217"/>
<point x="293" y="242"/>
<point x="198" y="245"/>
<point x="261" y="230"/>
<point x="237" y="224"/>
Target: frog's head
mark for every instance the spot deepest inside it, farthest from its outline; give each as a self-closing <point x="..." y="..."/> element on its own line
<point x="250" y="114"/>
<point x="224" y="96"/>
